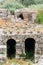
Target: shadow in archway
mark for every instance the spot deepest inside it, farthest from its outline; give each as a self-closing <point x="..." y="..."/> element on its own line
<point x="21" y="16"/>
<point x="30" y="48"/>
<point x="11" y="48"/>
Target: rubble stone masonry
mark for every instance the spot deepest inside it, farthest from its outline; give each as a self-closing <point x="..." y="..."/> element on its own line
<point x="20" y="31"/>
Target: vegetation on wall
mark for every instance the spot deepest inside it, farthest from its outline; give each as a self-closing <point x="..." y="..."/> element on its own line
<point x="28" y="55"/>
<point x="39" y="18"/>
<point x="12" y="5"/>
<point x="39" y="8"/>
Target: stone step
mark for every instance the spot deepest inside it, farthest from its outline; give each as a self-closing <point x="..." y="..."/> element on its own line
<point x="40" y="60"/>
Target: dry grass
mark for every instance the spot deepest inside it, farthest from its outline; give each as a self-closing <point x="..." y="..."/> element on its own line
<point x="21" y="62"/>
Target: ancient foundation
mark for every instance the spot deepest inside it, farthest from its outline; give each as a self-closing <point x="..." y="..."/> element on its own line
<point x="20" y="44"/>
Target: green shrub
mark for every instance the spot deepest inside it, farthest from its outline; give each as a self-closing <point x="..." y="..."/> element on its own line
<point x="39" y="18"/>
<point x="11" y="6"/>
<point x="29" y="55"/>
<point x="22" y="55"/>
<point x="36" y="7"/>
<point x="39" y="8"/>
<point x="0" y="63"/>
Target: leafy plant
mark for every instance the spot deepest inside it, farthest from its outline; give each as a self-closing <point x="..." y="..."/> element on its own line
<point x="23" y="55"/>
<point x="0" y="63"/>
<point x="29" y="55"/>
<point x="11" y="6"/>
<point x="39" y="18"/>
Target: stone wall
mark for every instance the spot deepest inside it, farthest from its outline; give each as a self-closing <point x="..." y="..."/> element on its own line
<point x="20" y="45"/>
<point x="20" y="32"/>
<point x="3" y="13"/>
<point x="27" y="14"/>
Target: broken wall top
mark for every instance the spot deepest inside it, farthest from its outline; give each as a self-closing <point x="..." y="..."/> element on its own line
<point x="26" y="10"/>
<point x="26" y="14"/>
<point x="8" y="26"/>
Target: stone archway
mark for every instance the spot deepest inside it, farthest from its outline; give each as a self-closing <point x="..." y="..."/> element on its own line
<point x="30" y="48"/>
<point x="11" y="48"/>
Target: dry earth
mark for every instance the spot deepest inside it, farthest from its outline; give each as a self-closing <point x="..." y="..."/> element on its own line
<point x="21" y="62"/>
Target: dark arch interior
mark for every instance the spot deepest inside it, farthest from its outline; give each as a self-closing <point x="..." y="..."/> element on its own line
<point x="30" y="48"/>
<point x="21" y="16"/>
<point x="11" y="48"/>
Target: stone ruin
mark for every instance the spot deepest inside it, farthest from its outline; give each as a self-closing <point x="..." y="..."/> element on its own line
<point x="26" y="14"/>
<point x="17" y="32"/>
<point x="3" y="13"/>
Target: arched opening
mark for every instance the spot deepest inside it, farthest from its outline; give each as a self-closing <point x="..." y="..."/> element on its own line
<point x="21" y="16"/>
<point x="11" y="48"/>
<point x="30" y="48"/>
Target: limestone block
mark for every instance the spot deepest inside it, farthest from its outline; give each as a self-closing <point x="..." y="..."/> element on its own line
<point x="18" y="51"/>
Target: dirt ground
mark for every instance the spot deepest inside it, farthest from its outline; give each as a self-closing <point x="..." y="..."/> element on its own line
<point x="16" y="61"/>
